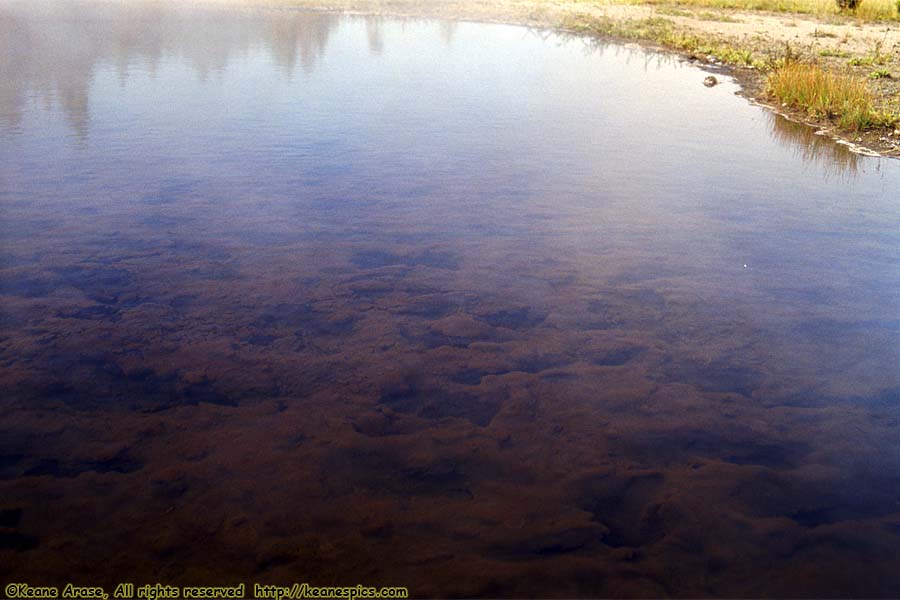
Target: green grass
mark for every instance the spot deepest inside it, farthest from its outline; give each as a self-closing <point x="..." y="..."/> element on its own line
<point x="719" y="17"/>
<point x="829" y="52"/>
<point x="665" y="33"/>
<point x="880" y="74"/>
<point x="840" y="97"/>
<point x="877" y="57"/>
<point x="674" y="12"/>
<point x="868" y="61"/>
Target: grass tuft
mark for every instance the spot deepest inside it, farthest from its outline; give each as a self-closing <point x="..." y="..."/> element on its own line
<point x="839" y="97"/>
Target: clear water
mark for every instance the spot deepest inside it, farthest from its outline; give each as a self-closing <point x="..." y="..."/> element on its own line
<point x="474" y="309"/>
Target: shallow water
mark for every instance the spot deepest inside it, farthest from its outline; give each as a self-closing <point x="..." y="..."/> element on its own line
<point x="473" y="309"/>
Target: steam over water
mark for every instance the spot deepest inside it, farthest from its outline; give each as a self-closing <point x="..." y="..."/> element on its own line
<point x="472" y="309"/>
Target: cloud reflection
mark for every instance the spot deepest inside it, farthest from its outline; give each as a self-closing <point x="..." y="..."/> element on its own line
<point x="50" y="50"/>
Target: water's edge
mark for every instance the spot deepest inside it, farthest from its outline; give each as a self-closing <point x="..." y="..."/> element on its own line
<point x="751" y="82"/>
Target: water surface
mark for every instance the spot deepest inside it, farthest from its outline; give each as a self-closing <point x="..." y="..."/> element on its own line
<point x="474" y="309"/>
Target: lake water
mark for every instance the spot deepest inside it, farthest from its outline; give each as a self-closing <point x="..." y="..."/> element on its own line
<point x="473" y="309"/>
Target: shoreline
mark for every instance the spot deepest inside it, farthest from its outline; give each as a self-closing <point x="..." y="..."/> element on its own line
<point x="732" y="39"/>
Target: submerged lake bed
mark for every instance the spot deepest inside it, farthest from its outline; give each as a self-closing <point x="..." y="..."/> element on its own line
<point x="478" y="310"/>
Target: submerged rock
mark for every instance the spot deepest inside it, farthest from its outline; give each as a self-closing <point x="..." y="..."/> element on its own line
<point x="710" y="81"/>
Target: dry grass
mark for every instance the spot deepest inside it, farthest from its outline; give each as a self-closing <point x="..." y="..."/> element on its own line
<point x="868" y="10"/>
<point x="839" y="97"/>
